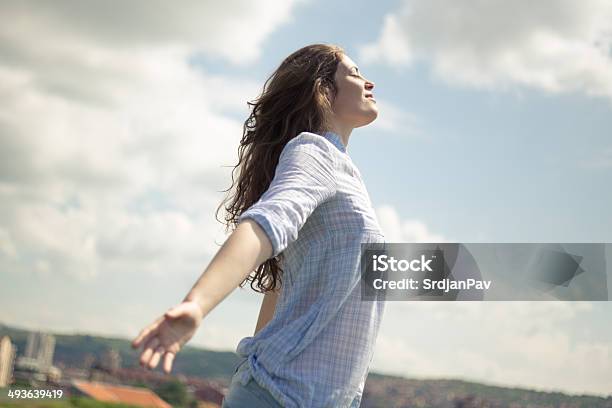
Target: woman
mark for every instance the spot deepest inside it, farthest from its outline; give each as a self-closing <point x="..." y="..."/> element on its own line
<point x="301" y="212"/>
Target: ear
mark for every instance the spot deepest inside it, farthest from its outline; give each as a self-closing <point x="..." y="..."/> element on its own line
<point x="328" y="94"/>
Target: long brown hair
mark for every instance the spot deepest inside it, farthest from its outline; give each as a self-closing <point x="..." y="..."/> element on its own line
<point x="293" y="100"/>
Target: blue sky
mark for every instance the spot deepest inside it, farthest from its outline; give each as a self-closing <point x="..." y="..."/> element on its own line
<point x="494" y="126"/>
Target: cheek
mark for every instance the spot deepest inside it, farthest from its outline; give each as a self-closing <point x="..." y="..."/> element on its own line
<point x="350" y="104"/>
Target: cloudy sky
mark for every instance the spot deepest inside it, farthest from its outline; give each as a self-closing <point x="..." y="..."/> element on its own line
<point x="120" y="123"/>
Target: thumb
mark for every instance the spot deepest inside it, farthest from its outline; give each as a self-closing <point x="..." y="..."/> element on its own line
<point x="176" y="311"/>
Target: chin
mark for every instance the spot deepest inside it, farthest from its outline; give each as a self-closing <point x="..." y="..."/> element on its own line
<point x="369" y="118"/>
<point x="367" y="122"/>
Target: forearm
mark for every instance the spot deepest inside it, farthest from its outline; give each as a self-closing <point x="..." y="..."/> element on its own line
<point x="268" y="305"/>
<point x="245" y="249"/>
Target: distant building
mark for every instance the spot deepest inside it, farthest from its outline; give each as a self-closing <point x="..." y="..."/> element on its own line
<point x="111" y="360"/>
<point x="7" y="359"/>
<point x="36" y="365"/>
<point x="122" y="394"/>
<point x="40" y="347"/>
<point x="105" y="368"/>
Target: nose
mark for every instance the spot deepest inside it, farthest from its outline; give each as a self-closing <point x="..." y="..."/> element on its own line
<point x="369" y="85"/>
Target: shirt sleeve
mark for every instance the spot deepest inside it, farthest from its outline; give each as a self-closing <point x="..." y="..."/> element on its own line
<point x="304" y="178"/>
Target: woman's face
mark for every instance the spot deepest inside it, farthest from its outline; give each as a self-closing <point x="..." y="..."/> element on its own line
<point x="354" y="105"/>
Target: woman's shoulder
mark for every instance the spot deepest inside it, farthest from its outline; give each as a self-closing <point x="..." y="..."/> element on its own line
<point x="312" y="142"/>
<point x="311" y="151"/>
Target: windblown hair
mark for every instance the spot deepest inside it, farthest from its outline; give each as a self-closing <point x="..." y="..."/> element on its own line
<point x="293" y="100"/>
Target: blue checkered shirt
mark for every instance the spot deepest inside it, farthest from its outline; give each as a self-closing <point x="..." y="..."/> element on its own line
<point x="317" y="348"/>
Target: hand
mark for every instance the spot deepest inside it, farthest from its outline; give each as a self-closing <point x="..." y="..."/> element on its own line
<point x="166" y="335"/>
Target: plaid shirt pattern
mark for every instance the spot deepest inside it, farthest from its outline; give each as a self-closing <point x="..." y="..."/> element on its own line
<point x="317" y="348"/>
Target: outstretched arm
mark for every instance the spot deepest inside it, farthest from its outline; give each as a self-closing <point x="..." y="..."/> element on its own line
<point x="245" y="249"/>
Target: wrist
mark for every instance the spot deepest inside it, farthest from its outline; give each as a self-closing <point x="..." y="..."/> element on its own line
<point x="192" y="297"/>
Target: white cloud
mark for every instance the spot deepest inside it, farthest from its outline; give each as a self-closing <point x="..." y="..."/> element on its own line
<point x="75" y="171"/>
<point x="602" y="160"/>
<point x="404" y="230"/>
<point x="112" y="143"/>
<point x="392" y="47"/>
<point x="392" y="118"/>
<point x="555" y="46"/>
<point x="500" y="343"/>
<point x="234" y="30"/>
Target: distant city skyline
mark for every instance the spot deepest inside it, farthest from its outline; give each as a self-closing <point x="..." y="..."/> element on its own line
<point x="35" y="376"/>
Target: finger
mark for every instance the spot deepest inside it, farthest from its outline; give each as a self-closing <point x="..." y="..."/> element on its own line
<point x="148" y="351"/>
<point x="142" y="337"/>
<point x="145" y="334"/>
<point x="136" y="342"/>
<point x="168" y="359"/>
<point x="156" y="356"/>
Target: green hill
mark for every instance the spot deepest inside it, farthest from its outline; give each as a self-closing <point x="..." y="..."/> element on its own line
<point x="395" y="391"/>
<point x="72" y="350"/>
<point x="380" y="391"/>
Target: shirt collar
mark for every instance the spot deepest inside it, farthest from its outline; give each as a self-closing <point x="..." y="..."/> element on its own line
<point x="335" y="139"/>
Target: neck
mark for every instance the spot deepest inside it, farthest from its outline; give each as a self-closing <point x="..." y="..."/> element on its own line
<point x="343" y="131"/>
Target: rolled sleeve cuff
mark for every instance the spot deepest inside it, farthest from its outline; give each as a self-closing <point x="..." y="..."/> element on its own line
<point x="266" y="224"/>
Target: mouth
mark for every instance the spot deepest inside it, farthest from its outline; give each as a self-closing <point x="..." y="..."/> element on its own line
<point x="370" y="96"/>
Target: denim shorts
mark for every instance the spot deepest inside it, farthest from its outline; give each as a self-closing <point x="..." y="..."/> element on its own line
<point x="250" y="395"/>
